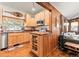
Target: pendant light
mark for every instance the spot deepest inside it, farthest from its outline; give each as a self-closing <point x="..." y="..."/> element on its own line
<point x="33" y="7"/>
<point x="33" y="10"/>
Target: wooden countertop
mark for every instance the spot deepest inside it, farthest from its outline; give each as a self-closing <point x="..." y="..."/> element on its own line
<point x="40" y="33"/>
<point x="22" y="31"/>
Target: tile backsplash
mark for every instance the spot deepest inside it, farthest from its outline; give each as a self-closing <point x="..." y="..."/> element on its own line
<point x="12" y="24"/>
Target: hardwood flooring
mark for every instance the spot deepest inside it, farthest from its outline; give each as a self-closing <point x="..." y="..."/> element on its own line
<point x="25" y="51"/>
<point x="58" y="53"/>
<point x="17" y="52"/>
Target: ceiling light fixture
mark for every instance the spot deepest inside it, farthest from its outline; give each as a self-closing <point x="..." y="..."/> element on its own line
<point x="33" y="7"/>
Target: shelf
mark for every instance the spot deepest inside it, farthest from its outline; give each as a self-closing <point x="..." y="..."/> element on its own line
<point x="12" y="17"/>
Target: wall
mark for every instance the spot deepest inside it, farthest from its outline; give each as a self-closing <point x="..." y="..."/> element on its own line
<point x="8" y="8"/>
<point x="56" y="15"/>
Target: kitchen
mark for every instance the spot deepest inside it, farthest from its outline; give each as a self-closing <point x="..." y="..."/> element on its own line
<point x="16" y="30"/>
<point x="30" y="29"/>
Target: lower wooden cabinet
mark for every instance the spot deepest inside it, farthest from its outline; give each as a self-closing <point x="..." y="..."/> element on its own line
<point x="42" y="44"/>
<point x="11" y="40"/>
<point x="27" y="37"/>
<point x="18" y="38"/>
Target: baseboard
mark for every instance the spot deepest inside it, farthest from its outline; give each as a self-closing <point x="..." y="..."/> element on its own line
<point x="4" y="48"/>
<point x="16" y="45"/>
<point x="19" y="44"/>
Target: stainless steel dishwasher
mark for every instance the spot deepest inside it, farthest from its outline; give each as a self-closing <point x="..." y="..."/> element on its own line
<point x="3" y="40"/>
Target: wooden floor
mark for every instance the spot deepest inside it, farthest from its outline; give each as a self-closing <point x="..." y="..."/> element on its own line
<point x="18" y="52"/>
<point x="25" y="51"/>
<point x="58" y="53"/>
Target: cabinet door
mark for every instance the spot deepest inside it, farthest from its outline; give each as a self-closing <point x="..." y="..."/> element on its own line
<point x="20" y="38"/>
<point x="11" y="40"/>
<point x="40" y="45"/>
<point x="28" y="36"/>
<point x="45" y="45"/>
<point x="23" y="37"/>
<point x="51" y="43"/>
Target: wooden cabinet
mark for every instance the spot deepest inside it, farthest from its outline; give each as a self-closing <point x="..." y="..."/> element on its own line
<point x="41" y="15"/>
<point x="41" y="44"/>
<point x="30" y="21"/>
<point x="11" y="39"/>
<point x="18" y="38"/>
<point x="27" y="37"/>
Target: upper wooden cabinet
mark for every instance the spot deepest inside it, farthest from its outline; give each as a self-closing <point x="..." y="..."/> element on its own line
<point x="29" y="20"/>
<point x="41" y="15"/>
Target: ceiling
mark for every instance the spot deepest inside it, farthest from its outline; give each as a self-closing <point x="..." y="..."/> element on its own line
<point x="68" y="9"/>
<point x="23" y="6"/>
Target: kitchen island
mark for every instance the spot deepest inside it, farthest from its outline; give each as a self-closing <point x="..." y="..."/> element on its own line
<point x="41" y="43"/>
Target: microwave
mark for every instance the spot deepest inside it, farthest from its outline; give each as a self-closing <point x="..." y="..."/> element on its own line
<point x="40" y="22"/>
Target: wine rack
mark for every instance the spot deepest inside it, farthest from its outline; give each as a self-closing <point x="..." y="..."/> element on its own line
<point x="34" y="42"/>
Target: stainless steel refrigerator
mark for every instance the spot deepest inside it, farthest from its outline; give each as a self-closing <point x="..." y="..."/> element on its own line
<point x="3" y="40"/>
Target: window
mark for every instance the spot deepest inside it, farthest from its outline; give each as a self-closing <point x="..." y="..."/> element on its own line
<point x="74" y="26"/>
<point x="12" y="24"/>
<point x="66" y="26"/>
